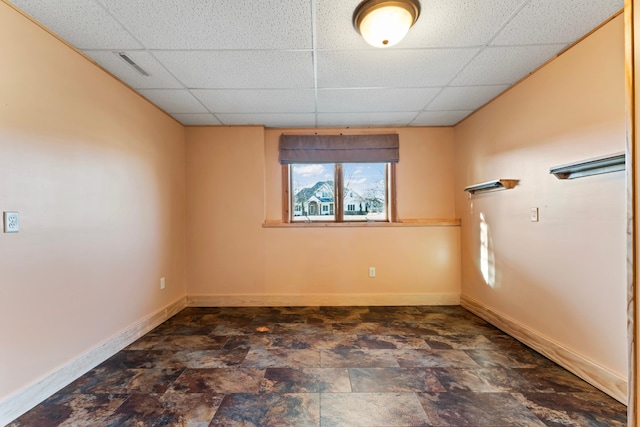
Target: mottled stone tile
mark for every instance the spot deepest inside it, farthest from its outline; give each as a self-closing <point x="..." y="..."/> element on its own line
<point x="465" y="371"/>
<point x="357" y="358"/>
<point x="434" y="359"/>
<point x="463" y="379"/>
<point x="346" y="314"/>
<point x="306" y="380"/>
<point x="272" y="318"/>
<point x="139" y="359"/>
<point x="366" y="328"/>
<point x="123" y="381"/>
<point x="477" y="409"/>
<point x="387" y="316"/>
<point x="291" y="341"/>
<point x="71" y="410"/>
<point x="386" y="328"/>
<point x="327" y="319"/>
<point x="579" y="409"/>
<point x="229" y="318"/>
<point x="460" y="342"/>
<point x="209" y="358"/>
<point x="394" y="380"/>
<point x="269" y="410"/>
<point x="169" y="409"/>
<point x="179" y="342"/>
<point x="384" y="342"/>
<point x="282" y="358"/>
<point x="140" y="410"/>
<point x="508" y="358"/>
<point x="371" y="409"/>
<point x="306" y="310"/>
<point x="219" y="380"/>
<point x="243" y="342"/>
<point x="233" y="329"/>
<point x="181" y="329"/>
<point x="295" y="341"/>
<point x="165" y="359"/>
<point x="302" y="328"/>
<point x="552" y="379"/>
<point x="463" y="327"/>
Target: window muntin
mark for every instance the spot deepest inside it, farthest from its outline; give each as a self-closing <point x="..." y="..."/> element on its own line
<point x="361" y="190"/>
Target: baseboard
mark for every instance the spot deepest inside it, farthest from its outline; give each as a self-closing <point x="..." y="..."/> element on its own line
<point x="21" y="401"/>
<point x="596" y="375"/>
<point x="256" y="300"/>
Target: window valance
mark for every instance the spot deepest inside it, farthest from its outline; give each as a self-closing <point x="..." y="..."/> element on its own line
<point x="382" y="148"/>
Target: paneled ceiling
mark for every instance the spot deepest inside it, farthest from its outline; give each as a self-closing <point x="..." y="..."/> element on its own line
<point x="300" y="63"/>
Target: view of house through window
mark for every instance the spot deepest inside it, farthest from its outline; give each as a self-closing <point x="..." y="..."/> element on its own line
<point x="363" y="191"/>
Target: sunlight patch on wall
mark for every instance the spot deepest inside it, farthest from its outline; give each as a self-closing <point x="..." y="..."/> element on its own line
<point x="487" y="260"/>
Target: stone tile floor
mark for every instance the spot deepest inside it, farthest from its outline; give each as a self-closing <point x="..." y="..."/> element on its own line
<point x="327" y="366"/>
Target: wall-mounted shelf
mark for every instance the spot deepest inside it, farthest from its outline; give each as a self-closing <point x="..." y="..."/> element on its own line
<point x="605" y="164"/>
<point x="498" y="184"/>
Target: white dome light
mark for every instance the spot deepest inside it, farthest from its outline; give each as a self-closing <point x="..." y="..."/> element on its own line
<point x="383" y="23"/>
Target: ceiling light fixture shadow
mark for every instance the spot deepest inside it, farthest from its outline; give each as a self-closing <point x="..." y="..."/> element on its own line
<point x="383" y="23"/>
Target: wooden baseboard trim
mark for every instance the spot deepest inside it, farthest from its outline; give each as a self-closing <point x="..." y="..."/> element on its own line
<point x="23" y="400"/>
<point x="596" y="375"/>
<point x="321" y="300"/>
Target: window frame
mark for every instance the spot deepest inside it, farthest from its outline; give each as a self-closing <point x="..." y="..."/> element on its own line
<point x="287" y="208"/>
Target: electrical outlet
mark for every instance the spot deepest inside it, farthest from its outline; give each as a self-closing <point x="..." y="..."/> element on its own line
<point x="534" y="215"/>
<point x="372" y="272"/>
<point x="11" y="222"/>
<point x="162" y="283"/>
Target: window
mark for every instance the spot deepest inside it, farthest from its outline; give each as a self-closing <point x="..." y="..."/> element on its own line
<point x="363" y="189"/>
<point x="338" y="178"/>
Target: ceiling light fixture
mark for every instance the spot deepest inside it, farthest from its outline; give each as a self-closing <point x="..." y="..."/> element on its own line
<point x="383" y="23"/>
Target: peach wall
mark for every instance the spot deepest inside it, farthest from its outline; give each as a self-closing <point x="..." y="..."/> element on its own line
<point x="234" y="184"/>
<point x="563" y="277"/>
<point x="97" y="175"/>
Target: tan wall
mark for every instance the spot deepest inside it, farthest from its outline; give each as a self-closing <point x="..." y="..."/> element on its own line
<point x="234" y="183"/>
<point x="565" y="276"/>
<point x="97" y="175"/>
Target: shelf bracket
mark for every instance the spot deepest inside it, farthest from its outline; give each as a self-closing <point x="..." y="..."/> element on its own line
<point x="497" y="184"/>
<point x="598" y="165"/>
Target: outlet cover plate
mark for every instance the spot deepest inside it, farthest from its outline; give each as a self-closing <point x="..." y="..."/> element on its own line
<point x="11" y="222"/>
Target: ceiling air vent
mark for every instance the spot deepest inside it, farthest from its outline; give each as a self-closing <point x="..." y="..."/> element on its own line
<point x="131" y="62"/>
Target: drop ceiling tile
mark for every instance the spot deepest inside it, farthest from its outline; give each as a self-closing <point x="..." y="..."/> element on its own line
<point x="220" y="24"/>
<point x="554" y="21"/>
<point x="365" y="119"/>
<point x="374" y="100"/>
<point x="335" y="27"/>
<point x="269" y="120"/>
<point x="158" y="76"/>
<point x="442" y="23"/>
<point x="505" y="65"/>
<point x="197" y="119"/>
<point x="446" y="23"/>
<point x="240" y="69"/>
<point x="257" y="100"/>
<point x="465" y="97"/>
<point x="390" y="68"/>
<point x="82" y="23"/>
<point x="174" y="100"/>
<point x="440" y="118"/>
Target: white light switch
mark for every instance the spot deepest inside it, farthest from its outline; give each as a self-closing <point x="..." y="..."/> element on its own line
<point x="11" y="222"/>
<point x="534" y="214"/>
